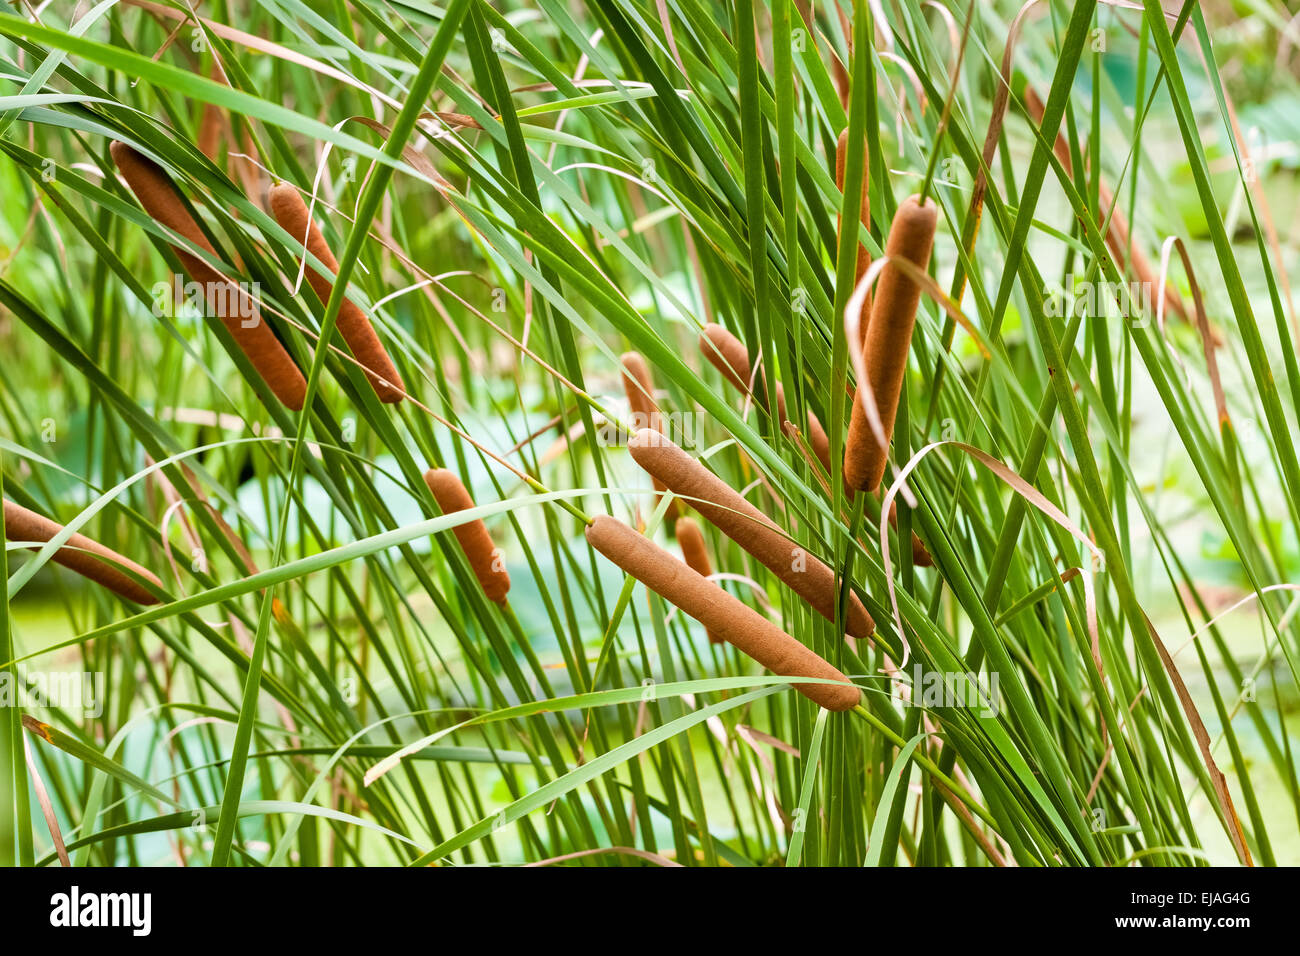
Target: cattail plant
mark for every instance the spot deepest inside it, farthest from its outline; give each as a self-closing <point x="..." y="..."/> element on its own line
<point x="159" y="198"/>
<point x="729" y="356"/>
<point x="720" y="613"/>
<point x="889" y="340"/>
<point x="864" y="215"/>
<point x="744" y="524"/>
<point x="88" y="558"/>
<point x="475" y="541"/>
<point x="696" y="555"/>
<point x="639" y="388"/>
<point x="291" y="213"/>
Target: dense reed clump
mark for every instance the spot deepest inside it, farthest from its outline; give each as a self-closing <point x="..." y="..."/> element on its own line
<point x="88" y="558"/>
<point x="475" y="541"/>
<point x="696" y="555"/>
<point x="805" y="574"/>
<point x="889" y="341"/>
<point x="158" y="197"/>
<point x="638" y="386"/>
<point x="720" y="613"/>
<point x="291" y="213"/>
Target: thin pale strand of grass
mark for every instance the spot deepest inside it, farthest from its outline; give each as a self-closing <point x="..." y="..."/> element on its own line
<point x="483" y="556"/>
<point x="158" y="197"/>
<point x="744" y="524"/>
<point x="639" y="388"/>
<point x="47" y="808"/>
<point x="737" y="623"/>
<point x="888" y="342"/>
<point x="88" y="558"/>
<point x="646" y="855"/>
<point x="696" y="554"/>
<point x="294" y="218"/>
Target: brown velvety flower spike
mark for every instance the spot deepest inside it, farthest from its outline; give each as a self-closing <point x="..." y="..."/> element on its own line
<point x="473" y="536"/>
<point x="744" y="524"/>
<point x="721" y="613"/>
<point x="88" y="558"/>
<point x="291" y="213"/>
<point x="889" y="341"/>
<point x="158" y="197"/>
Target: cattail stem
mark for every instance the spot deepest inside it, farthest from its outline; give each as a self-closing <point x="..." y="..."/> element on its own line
<point x="473" y="536"/>
<point x="696" y="555"/>
<point x="158" y="196"/>
<point x="720" y="612"/>
<point x="88" y="558"/>
<point x="888" y="341"/>
<point x="744" y="524"/>
<point x="291" y="213"/>
<point x="864" y="212"/>
<point x="639" y="388"/>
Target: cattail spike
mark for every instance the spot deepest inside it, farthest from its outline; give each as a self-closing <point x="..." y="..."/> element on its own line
<point x="696" y="555"/>
<point x="473" y="536"/>
<point x="889" y="340"/>
<point x="720" y="612"/>
<point x="744" y="524"/>
<point x="639" y="388"/>
<point x="729" y="356"/>
<point x="291" y="213"/>
<point x="158" y="197"/>
<point x="864" y="214"/>
<point x="88" y="558"/>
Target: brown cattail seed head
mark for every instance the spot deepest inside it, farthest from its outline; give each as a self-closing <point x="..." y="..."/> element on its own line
<point x="889" y="341"/>
<point x="88" y="558"/>
<point x="720" y="612"/>
<point x="639" y="388"/>
<point x="744" y="524"/>
<point x="727" y="354"/>
<point x="696" y="555"/>
<point x="473" y="536"/>
<point x="864" y="213"/>
<point x="159" y="198"/>
<point x="291" y="213"/>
